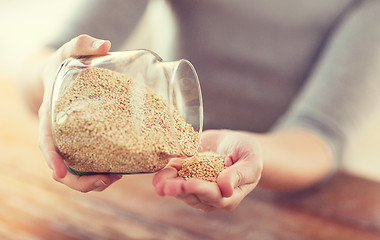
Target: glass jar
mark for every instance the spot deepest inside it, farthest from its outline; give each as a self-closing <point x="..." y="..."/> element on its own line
<point x="126" y="112"/>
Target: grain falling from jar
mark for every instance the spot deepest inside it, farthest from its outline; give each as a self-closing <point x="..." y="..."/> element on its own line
<point x="204" y="165"/>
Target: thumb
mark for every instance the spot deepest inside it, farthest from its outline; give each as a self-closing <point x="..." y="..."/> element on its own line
<point x="243" y="172"/>
<point x="84" y="45"/>
<point x="228" y="180"/>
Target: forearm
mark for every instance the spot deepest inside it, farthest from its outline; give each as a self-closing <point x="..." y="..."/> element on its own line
<point x="294" y="159"/>
<point x="340" y="90"/>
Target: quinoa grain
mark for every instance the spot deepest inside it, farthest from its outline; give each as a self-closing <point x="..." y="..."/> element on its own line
<point x="204" y="165"/>
<point x="106" y="122"/>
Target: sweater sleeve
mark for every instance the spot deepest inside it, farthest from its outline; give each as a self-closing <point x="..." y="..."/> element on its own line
<point x="112" y="20"/>
<point x="343" y="89"/>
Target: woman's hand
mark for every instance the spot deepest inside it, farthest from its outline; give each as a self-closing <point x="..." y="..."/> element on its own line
<point x="243" y="172"/>
<point x="81" y="45"/>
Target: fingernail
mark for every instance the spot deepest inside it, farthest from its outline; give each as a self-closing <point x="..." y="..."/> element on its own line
<point x="97" y="43"/>
<point x="115" y="178"/>
<point x="228" y="161"/>
<point x="100" y="183"/>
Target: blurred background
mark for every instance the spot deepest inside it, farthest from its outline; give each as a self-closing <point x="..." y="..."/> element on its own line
<point x="33" y="206"/>
<point x="28" y="25"/>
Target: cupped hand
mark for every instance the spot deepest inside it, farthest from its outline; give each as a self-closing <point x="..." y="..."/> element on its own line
<point x="79" y="46"/>
<point x="243" y="159"/>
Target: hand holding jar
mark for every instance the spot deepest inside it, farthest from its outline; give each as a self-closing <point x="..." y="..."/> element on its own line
<point x="81" y="45"/>
<point x="124" y="112"/>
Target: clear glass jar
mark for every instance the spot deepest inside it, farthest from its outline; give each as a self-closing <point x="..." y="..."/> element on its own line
<point x="126" y="112"/>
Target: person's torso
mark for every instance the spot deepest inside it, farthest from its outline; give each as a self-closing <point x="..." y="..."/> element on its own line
<point x="252" y="57"/>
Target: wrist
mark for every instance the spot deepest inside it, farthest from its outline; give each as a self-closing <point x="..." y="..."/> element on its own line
<point x="294" y="159"/>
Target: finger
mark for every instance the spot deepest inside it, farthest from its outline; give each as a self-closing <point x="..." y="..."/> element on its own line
<point x="203" y="195"/>
<point x="193" y="201"/>
<point x="162" y="178"/>
<point x="242" y="191"/>
<point x="101" y="186"/>
<point x="173" y="187"/>
<point x="169" y="172"/>
<point x="84" y="45"/>
<point x="58" y="165"/>
<point x="245" y="171"/>
<point x="209" y="198"/>
<point x="176" y="163"/>
<point x="163" y="175"/>
<point x="243" y="161"/>
<point x="53" y="159"/>
<point x="86" y="184"/>
<point x="207" y="192"/>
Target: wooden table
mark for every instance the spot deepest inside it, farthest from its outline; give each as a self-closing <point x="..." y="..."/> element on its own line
<point x="33" y="206"/>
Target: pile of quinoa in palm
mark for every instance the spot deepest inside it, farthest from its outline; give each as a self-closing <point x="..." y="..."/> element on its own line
<point x="106" y="122"/>
<point x="204" y="165"/>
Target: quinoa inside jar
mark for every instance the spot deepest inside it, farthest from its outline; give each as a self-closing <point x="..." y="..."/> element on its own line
<point x="106" y="121"/>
